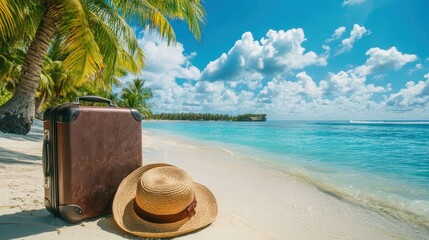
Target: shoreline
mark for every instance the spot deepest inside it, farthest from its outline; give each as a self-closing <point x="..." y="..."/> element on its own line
<point x="255" y="202"/>
<point x="403" y="221"/>
<point x="325" y="180"/>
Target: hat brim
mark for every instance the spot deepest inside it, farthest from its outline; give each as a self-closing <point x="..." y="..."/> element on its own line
<point x="129" y="221"/>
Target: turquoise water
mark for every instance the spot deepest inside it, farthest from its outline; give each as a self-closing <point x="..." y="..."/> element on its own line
<point x="383" y="165"/>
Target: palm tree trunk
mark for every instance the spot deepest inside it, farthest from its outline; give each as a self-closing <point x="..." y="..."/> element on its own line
<point x="16" y="115"/>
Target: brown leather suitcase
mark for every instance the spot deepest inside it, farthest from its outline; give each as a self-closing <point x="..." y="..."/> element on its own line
<point x="87" y="151"/>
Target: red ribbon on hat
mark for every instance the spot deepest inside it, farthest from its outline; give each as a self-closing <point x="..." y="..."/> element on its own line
<point x="189" y="211"/>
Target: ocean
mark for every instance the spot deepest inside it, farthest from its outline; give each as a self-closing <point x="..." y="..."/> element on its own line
<point x="380" y="165"/>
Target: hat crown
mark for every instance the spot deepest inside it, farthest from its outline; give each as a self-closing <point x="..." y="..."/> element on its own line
<point x="164" y="190"/>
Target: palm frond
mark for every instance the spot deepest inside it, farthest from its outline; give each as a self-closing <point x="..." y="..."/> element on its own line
<point x="192" y="11"/>
<point x="83" y="54"/>
<point x="114" y="50"/>
<point x="19" y="20"/>
<point x="146" y="15"/>
<point x="7" y="22"/>
<point x="115" y="22"/>
<point x="55" y="51"/>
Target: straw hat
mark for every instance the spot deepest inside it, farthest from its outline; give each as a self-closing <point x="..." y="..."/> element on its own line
<point x="161" y="200"/>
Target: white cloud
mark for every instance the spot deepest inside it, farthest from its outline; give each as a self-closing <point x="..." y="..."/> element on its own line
<point x="326" y="48"/>
<point x="337" y="34"/>
<point x="381" y="60"/>
<point x="205" y="96"/>
<point x="353" y="2"/>
<point x="252" y="60"/>
<point x="280" y="90"/>
<point x="164" y="64"/>
<point x="414" y="97"/>
<point x="417" y="67"/>
<point x="343" y="95"/>
<point x="165" y="61"/>
<point x="355" y="34"/>
<point x="347" y="84"/>
<point x="307" y="86"/>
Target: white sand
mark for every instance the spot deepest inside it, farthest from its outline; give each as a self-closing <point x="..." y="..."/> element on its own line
<point x="255" y="201"/>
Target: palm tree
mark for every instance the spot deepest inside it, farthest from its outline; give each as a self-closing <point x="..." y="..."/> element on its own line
<point x="54" y="83"/>
<point x="95" y="37"/>
<point x="135" y="95"/>
<point x="57" y="85"/>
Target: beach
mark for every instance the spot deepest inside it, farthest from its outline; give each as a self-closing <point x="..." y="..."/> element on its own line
<point x="256" y="201"/>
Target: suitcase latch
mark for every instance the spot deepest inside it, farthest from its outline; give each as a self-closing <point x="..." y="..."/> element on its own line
<point x="46" y="134"/>
<point x="46" y="182"/>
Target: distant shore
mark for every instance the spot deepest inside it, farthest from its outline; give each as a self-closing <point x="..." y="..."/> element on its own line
<point x="255" y="201"/>
<point x="249" y="117"/>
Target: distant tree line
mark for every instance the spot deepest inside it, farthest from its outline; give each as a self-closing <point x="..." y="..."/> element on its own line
<point x="191" y="116"/>
<point x="208" y="117"/>
<point x="249" y="117"/>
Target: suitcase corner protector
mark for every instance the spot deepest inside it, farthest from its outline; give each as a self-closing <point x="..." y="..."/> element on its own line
<point x="68" y="113"/>
<point x="136" y="115"/>
<point x="71" y="213"/>
<point x="48" y="206"/>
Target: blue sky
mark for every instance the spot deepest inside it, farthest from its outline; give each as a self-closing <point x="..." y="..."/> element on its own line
<point x="337" y="59"/>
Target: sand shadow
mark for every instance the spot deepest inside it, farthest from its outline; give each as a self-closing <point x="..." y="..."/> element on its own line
<point x="109" y="225"/>
<point x="28" y="223"/>
<point x="12" y="157"/>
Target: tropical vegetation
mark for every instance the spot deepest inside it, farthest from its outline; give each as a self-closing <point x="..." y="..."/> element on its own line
<point x="136" y="96"/>
<point x="4" y="93"/>
<point x="208" y="117"/>
<point x="250" y="117"/>
<point x="191" y="116"/>
<point x="56" y="49"/>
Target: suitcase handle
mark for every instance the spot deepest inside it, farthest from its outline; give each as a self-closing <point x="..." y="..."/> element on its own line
<point x="92" y="98"/>
<point x="45" y="158"/>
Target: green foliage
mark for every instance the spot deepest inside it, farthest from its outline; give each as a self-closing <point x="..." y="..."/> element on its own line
<point x="135" y="95"/>
<point x="11" y="58"/>
<point x="4" y="93"/>
<point x="249" y="117"/>
<point x="208" y="117"/>
<point x="191" y="116"/>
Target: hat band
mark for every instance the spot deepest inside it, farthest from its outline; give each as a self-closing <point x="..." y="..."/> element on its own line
<point x="189" y="211"/>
